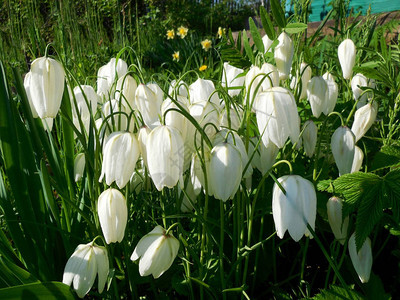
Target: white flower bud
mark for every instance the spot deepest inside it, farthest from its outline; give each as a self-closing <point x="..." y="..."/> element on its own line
<point x="310" y="132"/>
<point x="343" y="145"/>
<point x="230" y="79"/>
<point x="362" y="260"/>
<point x="358" y="159"/>
<point x="347" y="57"/>
<point x="79" y="166"/>
<point x="126" y="91"/>
<point x="332" y="93"/>
<point x="339" y="227"/>
<point x="108" y="74"/>
<point x="358" y="81"/>
<point x="267" y="43"/>
<point x="203" y="90"/>
<point x="364" y="117"/>
<point x="149" y="105"/>
<point x="113" y="215"/>
<point x="284" y="55"/>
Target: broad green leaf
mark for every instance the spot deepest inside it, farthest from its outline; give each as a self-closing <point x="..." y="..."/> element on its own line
<point x="255" y="33"/>
<point x="247" y="47"/>
<point x="295" y="27"/>
<point x="278" y="13"/>
<point x="388" y="156"/>
<point x="267" y="24"/>
<point x="13" y="274"/>
<point x="45" y="291"/>
<point x="338" y="293"/>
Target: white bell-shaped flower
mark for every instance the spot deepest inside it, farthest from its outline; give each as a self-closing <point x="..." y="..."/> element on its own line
<point x="310" y="132"/>
<point x="362" y="260"/>
<point x="235" y="118"/>
<point x="108" y="74"/>
<point x="305" y="74"/>
<point x="284" y="55"/>
<point x="271" y="77"/>
<point x="347" y="57"/>
<point x="87" y="261"/>
<point x="226" y="169"/>
<point x="126" y="91"/>
<point x="178" y="88"/>
<point x="149" y="105"/>
<point x="120" y="154"/>
<point x="343" y="145"/>
<point x="79" y="166"/>
<point x="231" y="80"/>
<point x="113" y="215"/>
<point x="86" y="105"/>
<point x="46" y="86"/>
<point x="157" y="251"/>
<point x="295" y="209"/>
<point x="174" y="118"/>
<point x="189" y="196"/>
<point x="339" y="226"/>
<point x="317" y="90"/>
<point x="364" y="117"/>
<point x="253" y="86"/>
<point x="115" y="114"/>
<point x="197" y="177"/>
<point x="144" y="132"/>
<point x="47" y="122"/>
<point x="268" y="155"/>
<point x="277" y="116"/>
<point x="332" y="93"/>
<point x="165" y="155"/>
<point x="203" y="90"/>
<point x="358" y="159"/>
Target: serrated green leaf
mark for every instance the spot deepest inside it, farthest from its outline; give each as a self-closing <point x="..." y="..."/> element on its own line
<point x="267" y="23"/>
<point x="295" y="27"/>
<point x="247" y="48"/>
<point x="388" y="156"/>
<point x="338" y="293"/>
<point x="278" y="13"/>
<point x="325" y="186"/>
<point x="46" y="291"/>
<point x="255" y="33"/>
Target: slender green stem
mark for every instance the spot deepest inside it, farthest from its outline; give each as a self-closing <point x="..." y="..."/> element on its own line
<point x="221" y="248"/>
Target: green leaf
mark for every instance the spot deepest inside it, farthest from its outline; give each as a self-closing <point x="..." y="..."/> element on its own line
<point x="267" y="23"/>
<point x="388" y="156"/>
<point x="247" y="48"/>
<point x="256" y="36"/>
<point x="295" y="27"/>
<point x="325" y="186"/>
<point x="362" y="192"/>
<point x="278" y="13"/>
<point x="45" y="291"/>
<point x="338" y="293"/>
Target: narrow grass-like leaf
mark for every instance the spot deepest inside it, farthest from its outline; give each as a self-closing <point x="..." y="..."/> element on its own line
<point x="247" y="48"/>
<point x="278" y="13"/>
<point x="295" y="27"/>
<point x="255" y="33"/>
<point x="267" y="23"/>
<point x="45" y="291"/>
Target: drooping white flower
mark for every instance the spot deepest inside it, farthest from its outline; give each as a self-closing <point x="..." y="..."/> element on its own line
<point x="364" y="117"/>
<point x="332" y="93"/>
<point x="87" y="261"/>
<point x="267" y="43"/>
<point x="284" y="55"/>
<point x="203" y="90"/>
<point x="157" y="251"/>
<point x="362" y="260"/>
<point x="108" y="74"/>
<point x="295" y="209"/>
<point x="358" y="159"/>
<point x="231" y="80"/>
<point x="126" y="91"/>
<point x="310" y="132"/>
<point x="226" y="169"/>
<point x="120" y="154"/>
<point x="305" y="74"/>
<point x="317" y="90"/>
<point x="46" y="86"/>
<point x="197" y="177"/>
<point x="79" y="166"/>
<point x="339" y="226"/>
<point x="178" y="88"/>
<point x="113" y="215"/>
<point x="277" y="116"/>
<point x="149" y="105"/>
<point x="347" y="57"/>
<point x="358" y="81"/>
<point x="271" y="77"/>
<point x="165" y="156"/>
<point x="342" y="145"/>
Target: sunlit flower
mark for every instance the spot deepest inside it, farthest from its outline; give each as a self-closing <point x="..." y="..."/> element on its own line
<point x="182" y="31"/>
<point x="170" y="34"/>
<point x="221" y="32"/>
<point x="175" y="56"/>
<point x="203" y="68"/>
<point x="206" y="44"/>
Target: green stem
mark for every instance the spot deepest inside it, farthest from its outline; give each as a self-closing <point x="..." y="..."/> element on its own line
<point x="221" y="248"/>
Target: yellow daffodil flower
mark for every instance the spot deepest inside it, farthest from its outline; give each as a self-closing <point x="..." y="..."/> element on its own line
<point x="206" y="44"/>
<point x="203" y="68"/>
<point x="182" y="31"/>
<point x="175" y="56"/>
<point x="221" y="32"/>
<point x="170" y="34"/>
